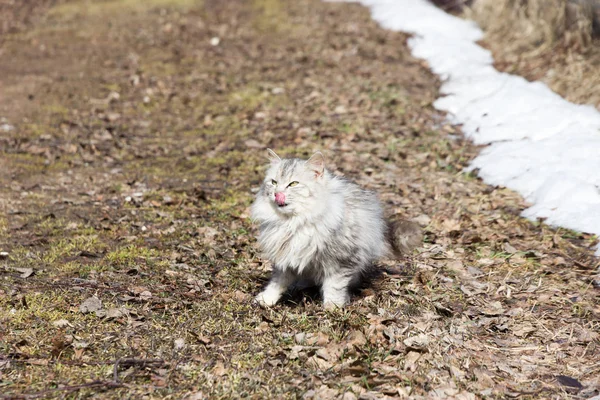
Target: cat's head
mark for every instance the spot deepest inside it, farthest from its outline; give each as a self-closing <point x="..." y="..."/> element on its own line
<point x="291" y="185"/>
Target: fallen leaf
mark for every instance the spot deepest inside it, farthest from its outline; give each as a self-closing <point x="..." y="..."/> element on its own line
<point x="253" y="144"/>
<point x="241" y="297"/>
<point x="168" y="200"/>
<point x="59" y="343"/>
<point x="340" y="110"/>
<point x="25" y="272"/>
<point x="145" y="295"/>
<point x="80" y="344"/>
<point x="207" y="235"/>
<point x="196" y="396"/>
<point x="300" y="337"/>
<point x="523" y="329"/>
<point x="115" y="312"/>
<point x="295" y="352"/>
<point x="203" y="339"/>
<point x="422" y="220"/>
<point x="90" y="305"/>
<point x="179" y="343"/>
<point x="158" y="381"/>
<point x="219" y="369"/>
<point x="356" y="338"/>
<point x="349" y="396"/>
<point x="410" y="361"/>
<point x="457" y="267"/>
<point x="319" y="363"/>
<point x="451" y="225"/>
<point x="262" y="327"/>
<point x="61" y="323"/>
<point x="320" y="339"/>
<point x="418" y="343"/>
<point x="493" y="309"/>
<point x="569" y="382"/>
<point x="78" y="353"/>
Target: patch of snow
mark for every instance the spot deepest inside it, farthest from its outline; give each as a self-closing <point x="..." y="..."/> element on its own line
<point x="540" y="145"/>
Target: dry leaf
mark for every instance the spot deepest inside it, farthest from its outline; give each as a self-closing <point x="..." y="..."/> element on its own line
<point x="320" y="339"/>
<point x="92" y="304"/>
<point x="179" y="343"/>
<point x="356" y="338"/>
<point x="219" y="369"/>
<point x="410" y="361"/>
<point x="61" y="323"/>
<point x="25" y="272"/>
<point x="418" y="343"/>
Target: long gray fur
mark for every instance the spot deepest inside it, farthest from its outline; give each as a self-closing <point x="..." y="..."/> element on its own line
<point x="329" y="230"/>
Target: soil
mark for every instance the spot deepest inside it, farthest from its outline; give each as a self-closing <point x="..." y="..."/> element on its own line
<point x="133" y="136"/>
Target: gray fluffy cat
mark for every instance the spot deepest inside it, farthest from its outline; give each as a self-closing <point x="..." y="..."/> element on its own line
<point x="323" y="228"/>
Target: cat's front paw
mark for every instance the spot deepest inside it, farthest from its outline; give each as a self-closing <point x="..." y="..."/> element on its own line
<point x="266" y="298"/>
<point x="334" y="298"/>
<point x="330" y="305"/>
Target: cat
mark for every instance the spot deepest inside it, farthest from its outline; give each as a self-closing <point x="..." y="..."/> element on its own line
<point x="322" y="228"/>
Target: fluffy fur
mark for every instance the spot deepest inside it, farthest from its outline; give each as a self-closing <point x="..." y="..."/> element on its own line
<point x="316" y="226"/>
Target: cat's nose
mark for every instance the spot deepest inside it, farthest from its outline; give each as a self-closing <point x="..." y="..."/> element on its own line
<point x="280" y="198"/>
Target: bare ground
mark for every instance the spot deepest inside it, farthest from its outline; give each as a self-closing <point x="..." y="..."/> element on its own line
<point x="132" y="140"/>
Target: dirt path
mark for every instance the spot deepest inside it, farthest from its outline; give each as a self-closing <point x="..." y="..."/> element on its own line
<point x="132" y="140"/>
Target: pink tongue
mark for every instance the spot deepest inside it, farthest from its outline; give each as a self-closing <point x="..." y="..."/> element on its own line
<point x="280" y="198"/>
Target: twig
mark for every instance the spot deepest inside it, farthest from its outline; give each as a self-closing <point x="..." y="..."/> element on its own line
<point x="129" y="362"/>
<point x="121" y="362"/>
<point x="126" y="362"/>
<point x="44" y="393"/>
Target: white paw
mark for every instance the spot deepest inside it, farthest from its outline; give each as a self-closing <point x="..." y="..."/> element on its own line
<point x="267" y="299"/>
<point x="332" y="304"/>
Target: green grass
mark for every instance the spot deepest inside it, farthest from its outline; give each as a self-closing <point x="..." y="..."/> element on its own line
<point x="131" y="255"/>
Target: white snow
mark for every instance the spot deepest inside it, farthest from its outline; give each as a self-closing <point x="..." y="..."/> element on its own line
<point x="540" y="145"/>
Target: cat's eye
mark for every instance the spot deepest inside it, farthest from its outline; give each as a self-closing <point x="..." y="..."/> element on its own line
<point x="292" y="184"/>
<point x="273" y="182"/>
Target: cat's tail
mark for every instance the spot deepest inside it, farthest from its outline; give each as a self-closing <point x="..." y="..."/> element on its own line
<point x="404" y="236"/>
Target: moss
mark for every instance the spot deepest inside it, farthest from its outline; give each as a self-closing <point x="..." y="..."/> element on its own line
<point x="32" y="130"/>
<point x="161" y="68"/>
<point x="56" y="110"/>
<point x="83" y="271"/>
<point x="130" y="255"/>
<point x="95" y="9"/>
<point x="49" y="226"/>
<point x="249" y="97"/>
<point x="45" y="307"/>
<point x="3" y="226"/>
<point x="25" y="163"/>
<point x="71" y="247"/>
<point x="270" y="16"/>
<point x="112" y="87"/>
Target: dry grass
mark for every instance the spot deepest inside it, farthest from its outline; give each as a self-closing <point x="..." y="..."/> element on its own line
<point x="536" y="24"/>
<point x="555" y="41"/>
<point x="16" y="15"/>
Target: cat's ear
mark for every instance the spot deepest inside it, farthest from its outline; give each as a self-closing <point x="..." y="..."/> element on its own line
<point x="316" y="163"/>
<point x="273" y="157"/>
